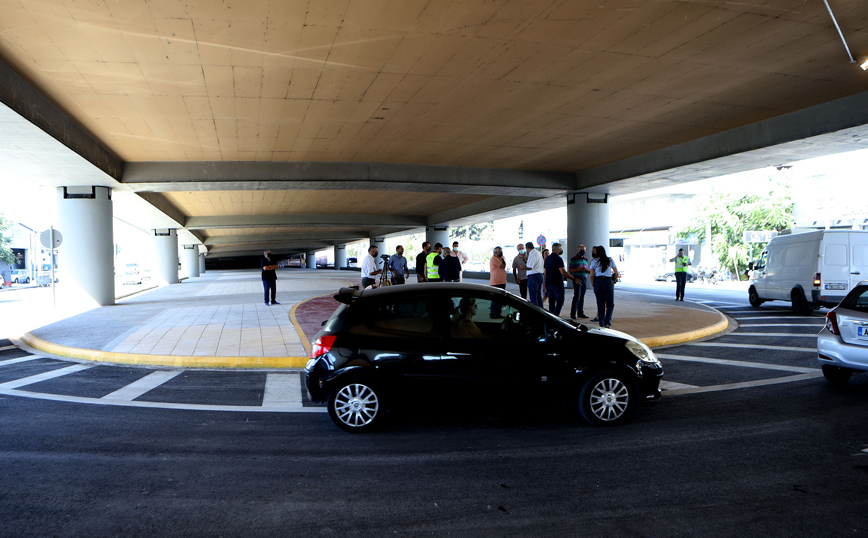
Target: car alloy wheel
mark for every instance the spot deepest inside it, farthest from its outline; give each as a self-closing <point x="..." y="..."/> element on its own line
<point x="607" y="399"/>
<point x="355" y="406"/>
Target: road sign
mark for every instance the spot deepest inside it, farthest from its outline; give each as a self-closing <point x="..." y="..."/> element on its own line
<point x="759" y="236"/>
<point x="541" y="240"/>
<point x="45" y="239"/>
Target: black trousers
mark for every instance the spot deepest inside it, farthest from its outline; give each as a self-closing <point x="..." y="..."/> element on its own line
<point x="269" y="285"/>
<point x="522" y="288"/>
<point x="680" y="282"/>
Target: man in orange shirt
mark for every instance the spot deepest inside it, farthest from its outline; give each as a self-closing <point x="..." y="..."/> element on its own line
<point x="497" y="279"/>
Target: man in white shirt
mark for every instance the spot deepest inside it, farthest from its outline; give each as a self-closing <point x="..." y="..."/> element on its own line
<point x="462" y="258"/>
<point x="369" y="268"/>
<point x="535" y="274"/>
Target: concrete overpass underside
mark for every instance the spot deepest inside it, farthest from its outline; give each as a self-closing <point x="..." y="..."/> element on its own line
<point x="296" y="125"/>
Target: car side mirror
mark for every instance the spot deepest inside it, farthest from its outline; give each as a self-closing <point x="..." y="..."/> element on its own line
<point x="323" y="323"/>
<point x="750" y="266"/>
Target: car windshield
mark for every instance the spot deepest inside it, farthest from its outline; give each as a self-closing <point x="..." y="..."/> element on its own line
<point x="857" y="299"/>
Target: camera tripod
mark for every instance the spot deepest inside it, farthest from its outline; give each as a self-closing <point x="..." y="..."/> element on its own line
<point x="384" y="279"/>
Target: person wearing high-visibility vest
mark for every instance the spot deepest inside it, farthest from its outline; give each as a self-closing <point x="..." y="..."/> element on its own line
<point x="681" y="264"/>
<point x="432" y="263"/>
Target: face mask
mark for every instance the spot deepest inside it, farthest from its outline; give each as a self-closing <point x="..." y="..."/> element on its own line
<point x="581" y="253"/>
<point x="595" y="255"/>
<point x="521" y="251"/>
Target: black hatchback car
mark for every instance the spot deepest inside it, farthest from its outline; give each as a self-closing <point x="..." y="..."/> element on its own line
<point x="402" y="344"/>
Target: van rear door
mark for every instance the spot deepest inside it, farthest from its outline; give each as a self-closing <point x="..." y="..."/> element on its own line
<point x="858" y="258"/>
<point x="834" y="267"/>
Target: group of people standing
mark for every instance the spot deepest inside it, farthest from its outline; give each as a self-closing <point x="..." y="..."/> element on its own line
<point x="539" y="275"/>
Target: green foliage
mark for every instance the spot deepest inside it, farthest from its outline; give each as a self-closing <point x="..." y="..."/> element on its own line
<point x="6" y="255"/>
<point x="483" y="231"/>
<point x="732" y="214"/>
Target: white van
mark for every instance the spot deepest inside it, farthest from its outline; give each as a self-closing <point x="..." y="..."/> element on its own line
<point x="810" y="269"/>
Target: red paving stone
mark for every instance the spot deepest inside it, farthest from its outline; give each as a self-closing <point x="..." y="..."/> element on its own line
<point x="311" y="313"/>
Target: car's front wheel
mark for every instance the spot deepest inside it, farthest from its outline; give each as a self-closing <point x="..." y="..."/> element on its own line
<point x="836" y="375"/>
<point x="754" y="298"/>
<point x="355" y="406"/>
<point x="608" y="398"/>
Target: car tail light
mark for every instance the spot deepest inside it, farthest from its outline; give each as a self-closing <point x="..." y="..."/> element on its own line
<point x="817" y="280"/>
<point x="832" y="323"/>
<point x="322" y="345"/>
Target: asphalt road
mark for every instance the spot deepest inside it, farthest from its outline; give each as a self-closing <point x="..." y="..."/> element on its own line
<point x="748" y="441"/>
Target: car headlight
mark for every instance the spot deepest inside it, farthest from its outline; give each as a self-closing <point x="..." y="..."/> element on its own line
<point x="642" y="352"/>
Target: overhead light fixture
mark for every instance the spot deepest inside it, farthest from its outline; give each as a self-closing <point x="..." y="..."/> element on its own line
<point x="864" y="65"/>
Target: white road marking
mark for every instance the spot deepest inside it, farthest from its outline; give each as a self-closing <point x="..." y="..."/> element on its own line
<point x="8" y="348"/>
<point x="283" y="390"/>
<point x="817" y="325"/>
<point x="773" y="334"/>
<point x="742" y="364"/>
<point x="782" y="317"/>
<point x="746" y="384"/>
<point x="45" y="376"/>
<point x="7" y="362"/>
<point x="754" y="346"/>
<point x="159" y="405"/>
<point x="672" y="385"/>
<point x="142" y="386"/>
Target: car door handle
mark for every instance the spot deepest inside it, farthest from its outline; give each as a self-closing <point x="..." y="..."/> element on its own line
<point x="456" y="354"/>
<point x="856" y="273"/>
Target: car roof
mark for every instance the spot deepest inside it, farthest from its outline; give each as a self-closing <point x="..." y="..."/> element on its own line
<point x="348" y="295"/>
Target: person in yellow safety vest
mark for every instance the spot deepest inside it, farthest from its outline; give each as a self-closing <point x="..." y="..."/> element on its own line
<point x="432" y="262"/>
<point x="681" y="263"/>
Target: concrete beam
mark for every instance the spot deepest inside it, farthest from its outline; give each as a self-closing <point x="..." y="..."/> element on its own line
<point x="270" y="221"/>
<point x="20" y="96"/>
<point x="189" y="176"/>
<point x="162" y="204"/>
<point x="325" y="237"/>
<point x="832" y="127"/>
<point x="233" y="250"/>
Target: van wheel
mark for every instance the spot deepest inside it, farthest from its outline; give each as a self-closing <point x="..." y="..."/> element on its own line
<point x="836" y="375"/>
<point x="800" y="304"/>
<point x="754" y="298"/>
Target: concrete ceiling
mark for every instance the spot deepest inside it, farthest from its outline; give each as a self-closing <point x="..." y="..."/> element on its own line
<point x="267" y="117"/>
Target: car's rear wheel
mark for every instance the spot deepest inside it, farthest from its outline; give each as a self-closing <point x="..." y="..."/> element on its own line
<point x="800" y="304"/>
<point x="670" y="278"/>
<point x="754" y="298"/>
<point x="355" y="406"/>
<point x="607" y="398"/>
<point x="836" y="375"/>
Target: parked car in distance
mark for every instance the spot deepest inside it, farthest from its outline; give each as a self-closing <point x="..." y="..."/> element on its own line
<point x="842" y="346"/>
<point x="20" y="276"/>
<point x="408" y="346"/>
<point x="670" y="276"/>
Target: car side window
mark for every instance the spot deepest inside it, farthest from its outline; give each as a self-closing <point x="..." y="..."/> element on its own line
<point x="761" y="264"/>
<point x="474" y="317"/>
<point x="410" y="317"/>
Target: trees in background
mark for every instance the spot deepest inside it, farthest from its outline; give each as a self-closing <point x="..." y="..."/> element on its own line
<point x="6" y="254"/>
<point x="731" y="214"/>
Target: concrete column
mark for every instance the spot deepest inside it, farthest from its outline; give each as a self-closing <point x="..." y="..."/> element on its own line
<point x="86" y="256"/>
<point x="340" y="256"/>
<point x="311" y="259"/>
<point x="190" y="261"/>
<point x="380" y="243"/>
<point x="587" y="221"/>
<point x="201" y="264"/>
<point x="437" y="234"/>
<point x="165" y="244"/>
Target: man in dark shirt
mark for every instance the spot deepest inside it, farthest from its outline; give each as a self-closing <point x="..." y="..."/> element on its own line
<point x="555" y="274"/>
<point x="420" y="263"/>
<point x="449" y="268"/>
<point x="269" y="277"/>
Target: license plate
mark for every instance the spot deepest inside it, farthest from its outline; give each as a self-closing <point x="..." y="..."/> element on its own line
<point x="862" y="331"/>
<point x="836" y="286"/>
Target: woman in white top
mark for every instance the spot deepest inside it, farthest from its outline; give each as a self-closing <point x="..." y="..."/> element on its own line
<point x="603" y="274"/>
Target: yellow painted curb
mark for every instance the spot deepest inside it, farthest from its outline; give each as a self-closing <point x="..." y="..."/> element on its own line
<point x="177" y="361"/>
<point x="680" y="338"/>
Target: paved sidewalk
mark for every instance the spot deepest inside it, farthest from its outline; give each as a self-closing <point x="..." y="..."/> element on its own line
<point x="219" y="320"/>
